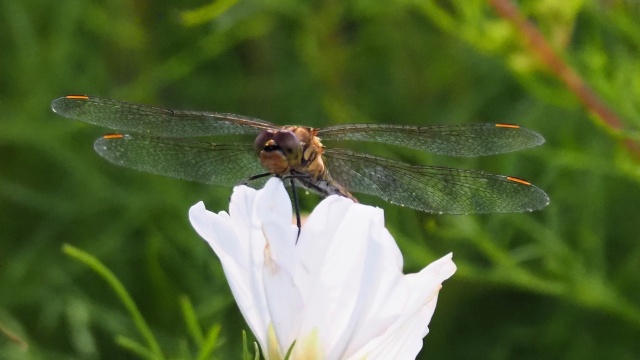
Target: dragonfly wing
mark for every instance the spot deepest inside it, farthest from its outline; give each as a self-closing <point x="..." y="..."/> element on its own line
<point x="465" y="140"/>
<point x="148" y="120"/>
<point x="432" y="189"/>
<point x="218" y="164"/>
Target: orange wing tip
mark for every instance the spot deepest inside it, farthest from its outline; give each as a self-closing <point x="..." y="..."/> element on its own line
<point x="518" y="180"/>
<point x="77" y="97"/>
<point x="112" y="136"/>
<point x="508" y="126"/>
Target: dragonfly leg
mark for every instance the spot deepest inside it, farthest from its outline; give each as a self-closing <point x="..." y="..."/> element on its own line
<point x="254" y="177"/>
<point x="294" y="192"/>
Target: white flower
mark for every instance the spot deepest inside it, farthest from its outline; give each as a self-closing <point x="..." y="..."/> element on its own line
<point x="339" y="293"/>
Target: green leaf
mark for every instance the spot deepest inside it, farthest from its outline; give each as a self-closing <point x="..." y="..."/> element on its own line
<point x="191" y="320"/>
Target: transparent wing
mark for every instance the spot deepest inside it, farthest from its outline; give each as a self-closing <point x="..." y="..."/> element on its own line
<point x="432" y="189"/>
<point x="218" y="164"/>
<point x="466" y="140"/>
<point x="148" y="120"/>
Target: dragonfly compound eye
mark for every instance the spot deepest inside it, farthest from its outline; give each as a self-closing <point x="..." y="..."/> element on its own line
<point x="287" y="141"/>
<point x="264" y="141"/>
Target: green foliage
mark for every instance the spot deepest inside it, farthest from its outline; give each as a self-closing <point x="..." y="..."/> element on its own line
<point x="152" y="350"/>
<point x="290" y="351"/>
<point x="246" y="355"/>
<point x="560" y="283"/>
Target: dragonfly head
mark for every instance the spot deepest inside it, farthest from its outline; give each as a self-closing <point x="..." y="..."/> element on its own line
<point x="278" y="150"/>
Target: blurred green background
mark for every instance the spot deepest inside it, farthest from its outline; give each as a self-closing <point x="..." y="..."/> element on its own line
<point x="561" y="283"/>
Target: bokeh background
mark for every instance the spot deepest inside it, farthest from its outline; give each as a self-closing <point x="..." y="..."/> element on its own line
<point x="561" y="283"/>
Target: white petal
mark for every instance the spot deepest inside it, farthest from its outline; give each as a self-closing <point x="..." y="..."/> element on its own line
<point x="283" y="297"/>
<point x="403" y="338"/>
<point x="334" y="273"/>
<point x="230" y="238"/>
<point x="339" y="293"/>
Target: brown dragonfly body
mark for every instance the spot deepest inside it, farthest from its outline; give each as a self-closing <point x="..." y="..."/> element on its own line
<point x="297" y="151"/>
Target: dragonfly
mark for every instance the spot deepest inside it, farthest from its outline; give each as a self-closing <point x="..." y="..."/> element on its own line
<point x="174" y="143"/>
